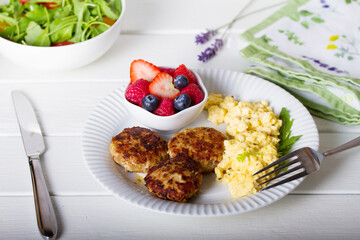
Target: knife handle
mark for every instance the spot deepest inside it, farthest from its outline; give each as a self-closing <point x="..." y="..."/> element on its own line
<point x="45" y="213"/>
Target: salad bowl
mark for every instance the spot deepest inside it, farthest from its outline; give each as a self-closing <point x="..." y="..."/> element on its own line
<point x="65" y="57"/>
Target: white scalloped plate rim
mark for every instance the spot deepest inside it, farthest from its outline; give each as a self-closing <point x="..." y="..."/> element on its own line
<point x="108" y="116"/>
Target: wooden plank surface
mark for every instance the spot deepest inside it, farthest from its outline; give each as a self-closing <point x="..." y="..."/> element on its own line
<point x="104" y="217"/>
<point x="325" y="206"/>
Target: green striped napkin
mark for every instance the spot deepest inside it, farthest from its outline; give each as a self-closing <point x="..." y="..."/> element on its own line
<point x="312" y="49"/>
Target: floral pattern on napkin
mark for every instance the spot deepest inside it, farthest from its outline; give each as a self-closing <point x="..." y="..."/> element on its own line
<point x="315" y="44"/>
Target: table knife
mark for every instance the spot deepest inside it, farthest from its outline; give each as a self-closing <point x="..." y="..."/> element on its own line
<point x="34" y="146"/>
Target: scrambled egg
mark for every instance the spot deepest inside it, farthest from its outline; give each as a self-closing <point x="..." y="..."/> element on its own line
<point x="254" y="130"/>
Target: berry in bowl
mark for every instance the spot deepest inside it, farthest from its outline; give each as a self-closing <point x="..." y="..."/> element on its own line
<point x="164" y="98"/>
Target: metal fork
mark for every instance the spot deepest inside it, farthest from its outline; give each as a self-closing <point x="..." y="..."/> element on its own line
<point x="304" y="160"/>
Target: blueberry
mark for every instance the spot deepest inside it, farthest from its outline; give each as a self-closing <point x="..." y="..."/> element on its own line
<point x="182" y="102"/>
<point x="181" y="81"/>
<point x="150" y="102"/>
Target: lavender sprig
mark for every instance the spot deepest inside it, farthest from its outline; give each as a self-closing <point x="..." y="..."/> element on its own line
<point x="205" y="37"/>
<point x="211" y="51"/>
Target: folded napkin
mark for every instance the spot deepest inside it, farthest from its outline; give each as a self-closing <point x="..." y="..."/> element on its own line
<point x="312" y="49"/>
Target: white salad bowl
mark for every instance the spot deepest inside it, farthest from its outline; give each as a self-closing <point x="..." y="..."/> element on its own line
<point x="168" y="123"/>
<point x="62" y="57"/>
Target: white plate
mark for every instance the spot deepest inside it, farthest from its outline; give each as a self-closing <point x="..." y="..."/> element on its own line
<point x="110" y="117"/>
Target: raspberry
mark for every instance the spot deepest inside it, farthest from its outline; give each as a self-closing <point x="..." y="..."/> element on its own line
<point x="166" y="108"/>
<point x="137" y="91"/>
<point x="194" y="93"/>
<point x="168" y="70"/>
<point x="182" y="70"/>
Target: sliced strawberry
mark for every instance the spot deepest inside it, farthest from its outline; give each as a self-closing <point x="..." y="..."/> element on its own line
<point x="143" y="69"/>
<point x="162" y="86"/>
<point x="182" y="70"/>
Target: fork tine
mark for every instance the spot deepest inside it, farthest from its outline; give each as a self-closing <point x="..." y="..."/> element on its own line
<point x="283" y="158"/>
<point x="280" y="168"/>
<point x="282" y="174"/>
<point x="296" y="176"/>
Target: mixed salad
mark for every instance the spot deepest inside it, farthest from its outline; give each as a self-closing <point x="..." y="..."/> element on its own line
<point x="56" y="22"/>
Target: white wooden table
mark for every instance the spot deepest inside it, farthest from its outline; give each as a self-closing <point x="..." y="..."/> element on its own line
<point x="325" y="206"/>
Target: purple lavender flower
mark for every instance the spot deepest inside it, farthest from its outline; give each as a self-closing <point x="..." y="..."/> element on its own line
<point x="204" y="37"/>
<point x="324" y="4"/>
<point x="324" y="65"/>
<point x="211" y="51"/>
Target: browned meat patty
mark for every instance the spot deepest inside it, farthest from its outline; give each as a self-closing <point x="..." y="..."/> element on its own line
<point x="204" y="145"/>
<point x="176" y="179"/>
<point x="137" y="149"/>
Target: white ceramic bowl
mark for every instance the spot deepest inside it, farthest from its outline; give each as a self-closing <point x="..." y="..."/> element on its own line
<point x="63" y="57"/>
<point x="168" y="123"/>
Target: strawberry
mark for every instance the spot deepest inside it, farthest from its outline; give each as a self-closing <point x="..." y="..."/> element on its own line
<point x="194" y="93"/>
<point x="162" y="86"/>
<point x="136" y="91"/>
<point x="165" y="108"/>
<point x="168" y="70"/>
<point x="143" y="69"/>
<point x="182" y="70"/>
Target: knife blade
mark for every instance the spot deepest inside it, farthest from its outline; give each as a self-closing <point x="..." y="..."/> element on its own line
<point x="29" y="127"/>
<point x="34" y="145"/>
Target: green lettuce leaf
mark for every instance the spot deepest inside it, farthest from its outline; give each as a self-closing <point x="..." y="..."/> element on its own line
<point x="61" y="12"/>
<point x="107" y="9"/>
<point x="37" y="13"/>
<point x="61" y="29"/>
<point x="36" y="36"/>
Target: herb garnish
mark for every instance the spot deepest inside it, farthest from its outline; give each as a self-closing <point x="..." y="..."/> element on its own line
<point x="286" y="140"/>
<point x="241" y="157"/>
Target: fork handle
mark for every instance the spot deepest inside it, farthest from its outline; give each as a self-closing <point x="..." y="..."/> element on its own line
<point x="353" y="143"/>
